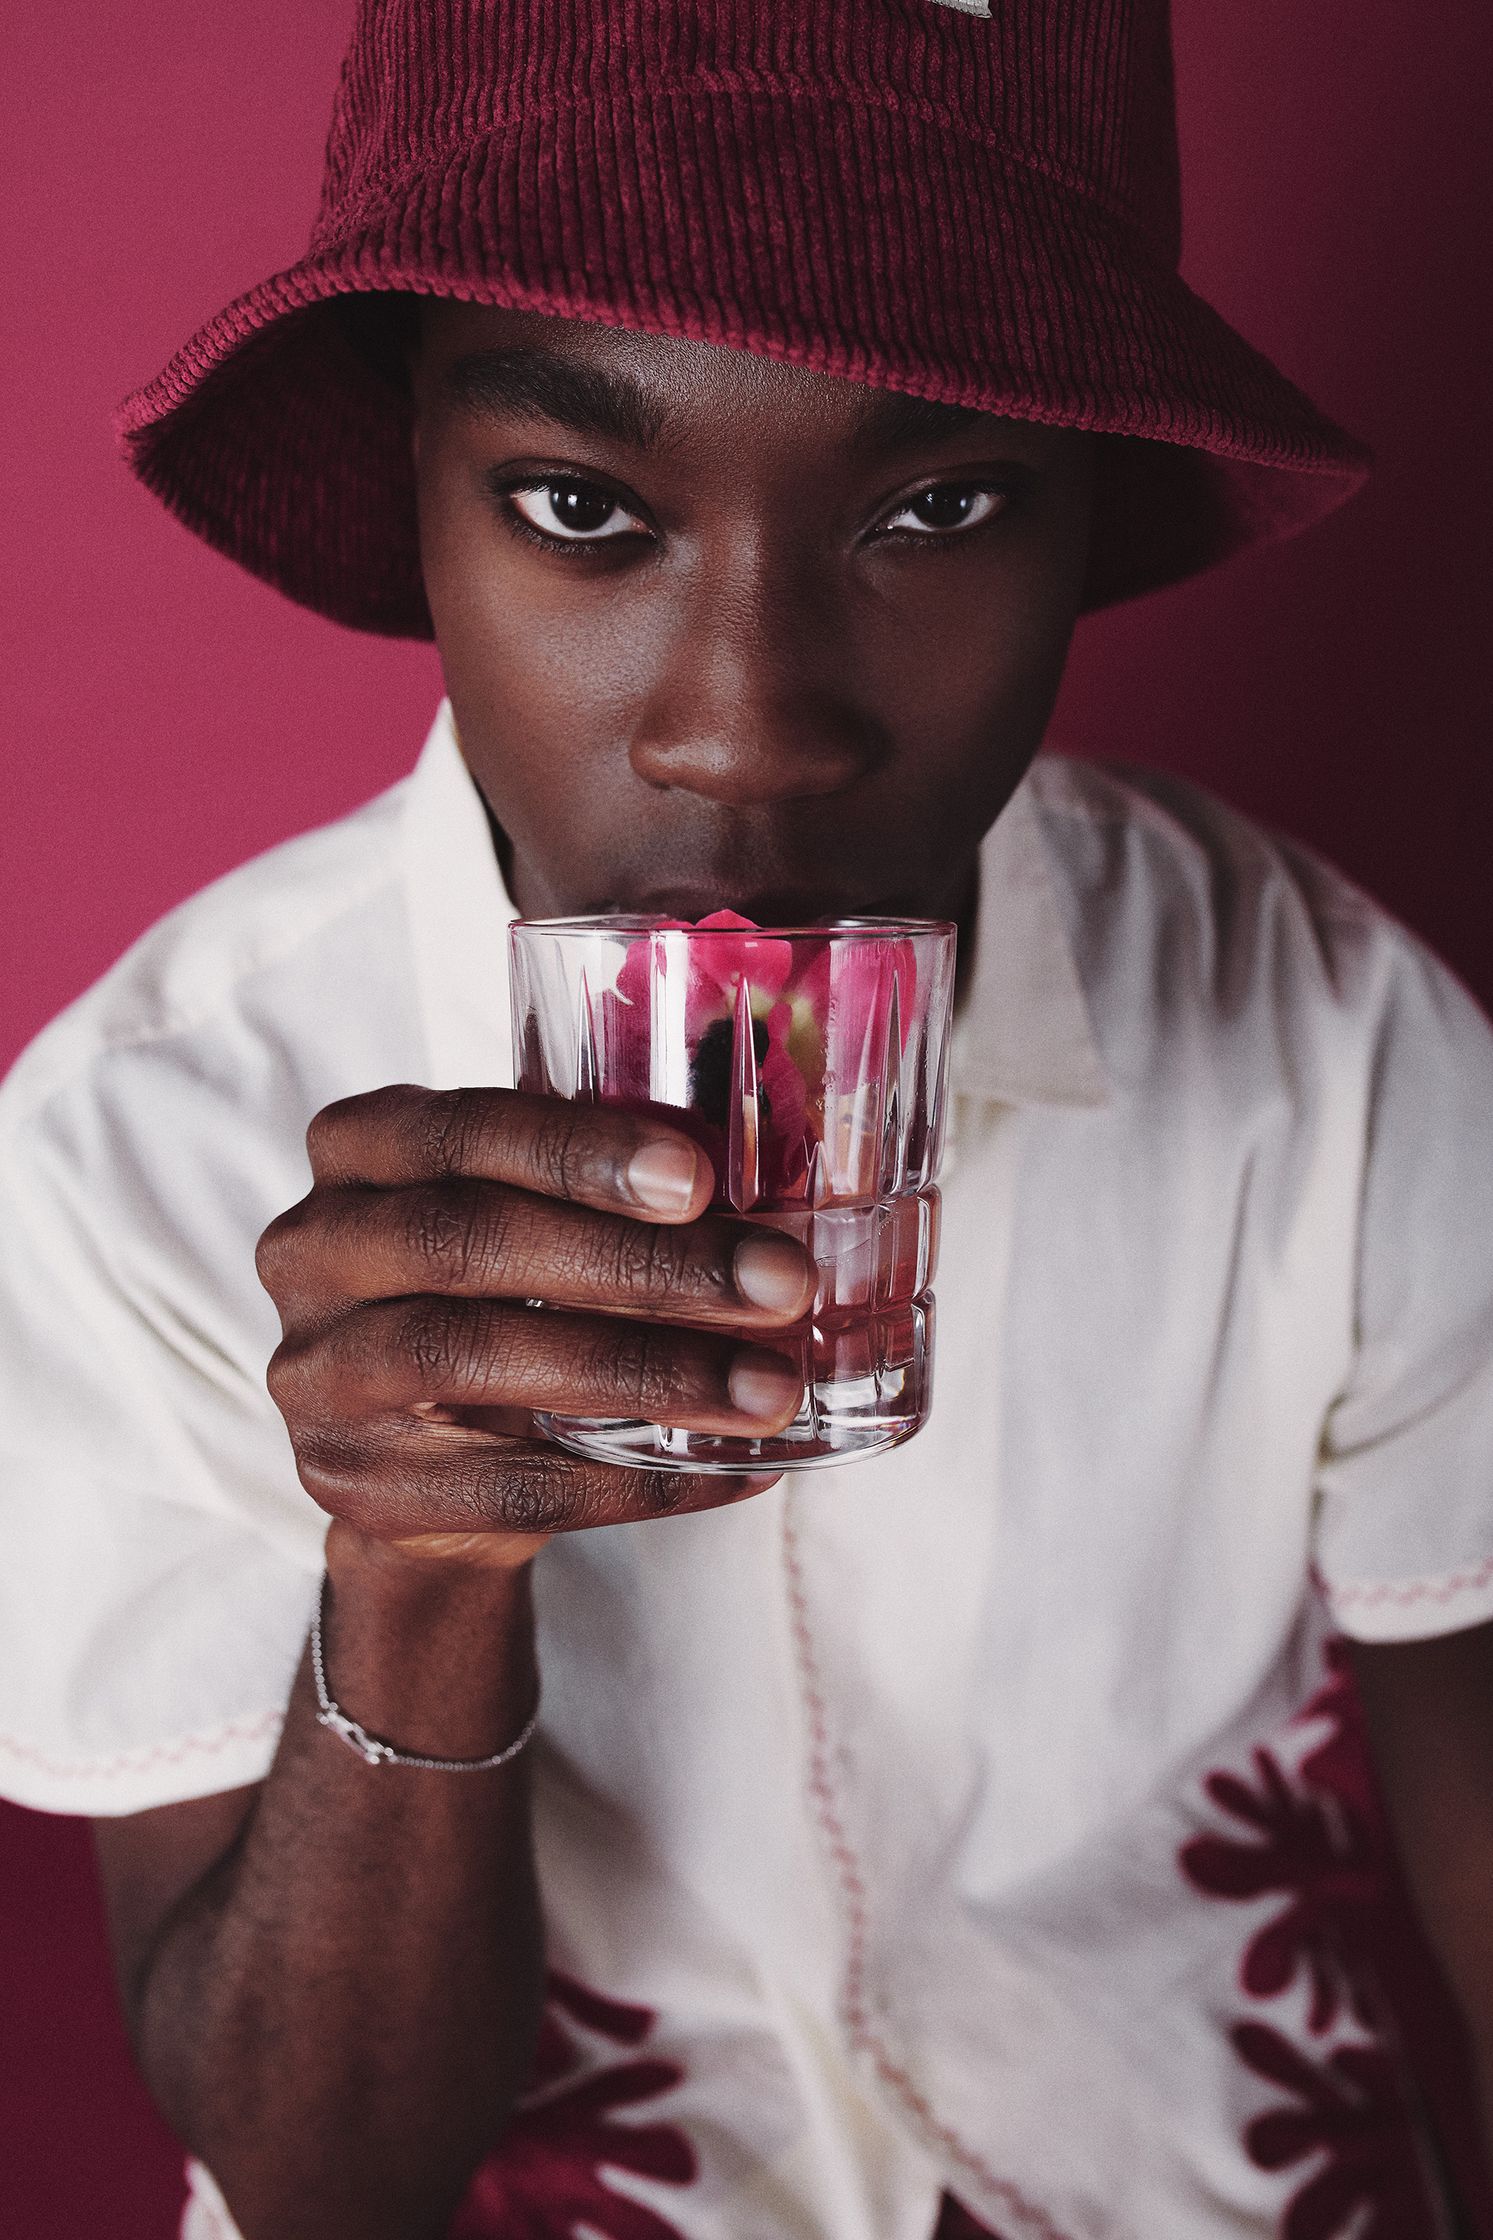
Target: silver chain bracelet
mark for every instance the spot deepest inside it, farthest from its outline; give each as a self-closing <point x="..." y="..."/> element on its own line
<point x="369" y="1748"/>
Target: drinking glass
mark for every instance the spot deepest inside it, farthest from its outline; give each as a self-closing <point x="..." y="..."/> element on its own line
<point x="810" y="1062"/>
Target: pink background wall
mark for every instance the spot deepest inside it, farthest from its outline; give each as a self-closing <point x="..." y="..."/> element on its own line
<point x="165" y="717"/>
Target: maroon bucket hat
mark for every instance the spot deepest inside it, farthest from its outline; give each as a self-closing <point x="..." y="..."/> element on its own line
<point x="924" y="195"/>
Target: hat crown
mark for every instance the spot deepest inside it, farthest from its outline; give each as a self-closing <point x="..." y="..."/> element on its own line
<point x="1081" y="91"/>
<point x="979" y="204"/>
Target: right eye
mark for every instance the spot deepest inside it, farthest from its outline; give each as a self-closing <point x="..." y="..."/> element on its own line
<point x="578" y="508"/>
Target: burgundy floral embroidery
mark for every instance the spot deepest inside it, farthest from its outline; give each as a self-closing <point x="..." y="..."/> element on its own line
<point x="1316" y="1841"/>
<point x="1302" y="1847"/>
<point x="1351" y="2108"/>
<point x="1339" y="1764"/>
<point x="546" y="2181"/>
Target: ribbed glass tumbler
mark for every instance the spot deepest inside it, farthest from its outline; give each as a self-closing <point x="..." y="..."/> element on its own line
<point x="810" y="1062"/>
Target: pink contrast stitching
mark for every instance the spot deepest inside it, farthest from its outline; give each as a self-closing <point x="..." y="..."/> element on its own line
<point x="853" y="1888"/>
<point x="135" y="1761"/>
<point x="1368" y="1595"/>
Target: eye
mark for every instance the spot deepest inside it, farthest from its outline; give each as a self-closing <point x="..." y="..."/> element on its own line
<point x="577" y="508"/>
<point x="574" y="514"/>
<point x="948" y="503"/>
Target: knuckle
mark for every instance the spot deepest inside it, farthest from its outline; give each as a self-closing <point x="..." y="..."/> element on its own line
<point x="536" y="1494"/>
<point x="334" y="1464"/>
<point x="524" y="1491"/>
<point x="648" y="1370"/>
<point x="557" y="1146"/>
<point x="329" y="1130"/>
<point x="613" y="1263"/>
<point x="317" y="1377"/>
<point x="449" y="1344"/>
<point x="285" y="1255"/>
<point x="325" y="1130"/>
<point x="287" y="1376"/>
<point x="652" y="1263"/>
<point x="492" y="1225"/>
<point x="438" y="1233"/>
<point x="446" y="1129"/>
<point x="425" y="1339"/>
<point x="275" y="1250"/>
<point x="333" y="1133"/>
<point x="661" y="1492"/>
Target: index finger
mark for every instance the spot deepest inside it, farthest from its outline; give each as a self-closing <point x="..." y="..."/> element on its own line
<point x="594" y="1155"/>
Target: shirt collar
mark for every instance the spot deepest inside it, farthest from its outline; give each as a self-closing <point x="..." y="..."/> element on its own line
<point x="1022" y="1036"/>
<point x="459" y="915"/>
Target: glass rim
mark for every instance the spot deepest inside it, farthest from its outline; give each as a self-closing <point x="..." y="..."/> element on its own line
<point x="641" y="922"/>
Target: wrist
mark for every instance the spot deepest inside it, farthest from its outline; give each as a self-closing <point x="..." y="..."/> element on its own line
<point x="437" y="1659"/>
<point x="430" y="1568"/>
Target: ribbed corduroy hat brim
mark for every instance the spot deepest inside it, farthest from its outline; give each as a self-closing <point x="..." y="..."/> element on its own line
<point x="275" y="438"/>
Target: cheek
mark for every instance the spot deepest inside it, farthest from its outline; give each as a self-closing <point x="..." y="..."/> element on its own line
<point x="517" y="633"/>
<point x="1033" y="614"/>
<point x="547" y="771"/>
<point x="994" y="687"/>
<point x="987" y="659"/>
<point x="969" y="699"/>
<point x="458" y="555"/>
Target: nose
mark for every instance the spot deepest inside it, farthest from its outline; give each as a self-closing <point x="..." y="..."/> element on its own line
<point x="745" y="716"/>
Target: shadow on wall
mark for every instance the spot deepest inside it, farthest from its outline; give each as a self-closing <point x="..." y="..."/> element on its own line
<point x="1336" y="204"/>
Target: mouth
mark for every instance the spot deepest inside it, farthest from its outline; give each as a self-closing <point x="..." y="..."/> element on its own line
<point x="779" y="906"/>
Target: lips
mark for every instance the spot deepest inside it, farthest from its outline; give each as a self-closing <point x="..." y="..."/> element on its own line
<point x="774" y="907"/>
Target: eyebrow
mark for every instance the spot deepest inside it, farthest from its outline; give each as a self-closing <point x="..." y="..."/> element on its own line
<point x="530" y="382"/>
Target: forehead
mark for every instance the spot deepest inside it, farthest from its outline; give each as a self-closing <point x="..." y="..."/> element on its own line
<point x="654" y="392"/>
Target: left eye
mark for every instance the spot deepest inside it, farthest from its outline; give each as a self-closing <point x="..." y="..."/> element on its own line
<point x="946" y="498"/>
<point x="578" y="507"/>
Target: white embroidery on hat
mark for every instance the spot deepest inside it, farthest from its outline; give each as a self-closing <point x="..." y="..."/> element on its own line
<point x="966" y="7"/>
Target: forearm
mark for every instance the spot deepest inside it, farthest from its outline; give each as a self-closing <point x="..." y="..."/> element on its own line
<point x="338" y="2019"/>
<point x="335" y="1982"/>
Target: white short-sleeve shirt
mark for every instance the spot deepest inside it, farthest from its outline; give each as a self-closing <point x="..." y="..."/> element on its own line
<point x="926" y="1823"/>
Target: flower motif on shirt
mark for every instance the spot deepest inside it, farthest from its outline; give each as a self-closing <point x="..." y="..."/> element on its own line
<point x="547" y="2181"/>
<point x="1302" y="1848"/>
<point x="1350" y="2108"/>
<point x="1314" y="1840"/>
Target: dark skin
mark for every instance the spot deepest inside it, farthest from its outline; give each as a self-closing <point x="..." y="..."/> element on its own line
<point x="759" y="695"/>
<point x="740" y="684"/>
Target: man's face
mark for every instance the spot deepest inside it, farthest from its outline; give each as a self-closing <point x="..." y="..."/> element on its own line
<point x="773" y="657"/>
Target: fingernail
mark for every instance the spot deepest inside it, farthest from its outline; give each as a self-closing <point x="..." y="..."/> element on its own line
<point x="662" y="1175"/>
<point x="763" y="1385"/>
<point x="772" y="1272"/>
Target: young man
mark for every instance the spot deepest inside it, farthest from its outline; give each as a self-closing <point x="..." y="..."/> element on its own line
<point x="960" y="1839"/>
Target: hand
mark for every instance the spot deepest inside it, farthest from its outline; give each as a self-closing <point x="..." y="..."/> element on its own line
<point x="410" y="1362"/>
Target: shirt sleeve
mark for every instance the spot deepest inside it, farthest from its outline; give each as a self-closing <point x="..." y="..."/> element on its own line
<point x="1404" y="1522"/>
<point x="161" y="1557"/>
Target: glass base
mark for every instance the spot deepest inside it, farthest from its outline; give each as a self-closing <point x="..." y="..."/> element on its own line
<point x="870" y="1389"/>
